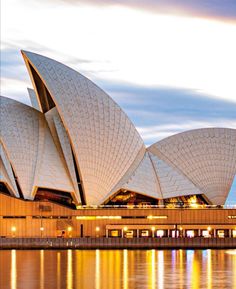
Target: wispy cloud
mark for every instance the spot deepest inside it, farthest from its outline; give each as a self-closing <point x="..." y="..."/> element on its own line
<point x="150" y="50"/>
<point x="152" y="134"/>
<point x="161" y="112"/>
<point x="213" y="9"/>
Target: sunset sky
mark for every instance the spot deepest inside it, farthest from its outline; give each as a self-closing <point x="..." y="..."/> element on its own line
<point x="171" y="65"/>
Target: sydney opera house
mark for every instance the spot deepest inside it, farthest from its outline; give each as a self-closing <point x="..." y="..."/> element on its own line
<point x="76" y="148"/>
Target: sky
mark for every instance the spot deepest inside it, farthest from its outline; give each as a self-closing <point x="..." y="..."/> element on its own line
<point x="171" y="65"/>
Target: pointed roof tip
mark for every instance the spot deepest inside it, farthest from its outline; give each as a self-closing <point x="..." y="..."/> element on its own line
<point x="23" y="52"/>
<point x="26" y="52"/>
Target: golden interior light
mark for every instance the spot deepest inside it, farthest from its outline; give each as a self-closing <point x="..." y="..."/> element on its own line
<point x="13" y="229"/>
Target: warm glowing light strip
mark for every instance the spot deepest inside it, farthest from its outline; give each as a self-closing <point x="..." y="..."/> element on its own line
<point x="115" y="217"/>
<point x="157" y="217"/>
<point x="97" y="217"/>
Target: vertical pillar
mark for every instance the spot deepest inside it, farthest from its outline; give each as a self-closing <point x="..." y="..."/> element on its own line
<point x="81" y="231"/>
<point x="214" y="233"/>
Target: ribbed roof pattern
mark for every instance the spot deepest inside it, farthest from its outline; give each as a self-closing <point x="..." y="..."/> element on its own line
<point x="207" y="157"/>
<point x="81" y="142"/>
<point x="30" y="148"/>
<point x="104" y="140"/>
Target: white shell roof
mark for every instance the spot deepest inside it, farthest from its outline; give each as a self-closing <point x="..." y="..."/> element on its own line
<point x="172" y="182"/>
<point x="104" y="140"/>
<point x="207" y="157"/>
<point x="6" y="173"/>
<point x="144" y="180"/>
<point x="30" y="149"/>
<point x="109" y="153"/>
<point x="33" y="99"/>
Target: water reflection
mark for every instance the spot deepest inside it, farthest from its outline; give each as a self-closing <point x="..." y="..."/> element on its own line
<point x="118" y="269"/>
<point x="125" y="269"/>
<point x="181" y="269"/>
<point x="234" y="269"/>
<point x="195" y="280"/>
<point x="58" y="269"/>
<point x="209" y="270"/>
<point x="153" y="268"/>
<point x="69" y="270"/>
<point x="41" y="269"/>
<point x="13" y="269"/>
<point x="160" y="269"/>
<point x="97" y="272"/>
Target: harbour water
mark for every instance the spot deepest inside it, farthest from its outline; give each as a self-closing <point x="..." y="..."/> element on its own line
<point x="117" y="269"/>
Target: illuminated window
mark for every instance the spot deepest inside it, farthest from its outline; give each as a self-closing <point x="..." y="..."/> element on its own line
<point x="114" y="233"/>
<point x="190" y="233"/>
<point x="234" y="233"/>
<point x="129" y="234"/>
<point x="160" y="233"/>
<point x="221" y="233"/>
<point x="144" y="233"/>
<point x="206" y="234"/>
<point x="175" y="233"/>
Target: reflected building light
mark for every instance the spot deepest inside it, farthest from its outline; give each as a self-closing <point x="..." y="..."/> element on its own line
<point x="234" y="270"/>
<point x="13" y="269"/>
<point x="195" y="274"/>
<point x="231" y="252"/>
<point x="41" y="269"/>
<point x="153" y="269"/>
<point x="209" y="269"/>
<point x="97" y="270"/>
<point x="173" y="259"/>
<point x="125" y="269"/>
<point x="58" y="270"/>
<point x="189" y="264"/>
<point x="69" y="270"/>
<point x="160" y="269"/>
<point x="181" y="269"/>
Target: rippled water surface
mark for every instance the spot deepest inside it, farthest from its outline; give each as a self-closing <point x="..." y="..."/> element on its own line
<point x="128" y="269"/>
